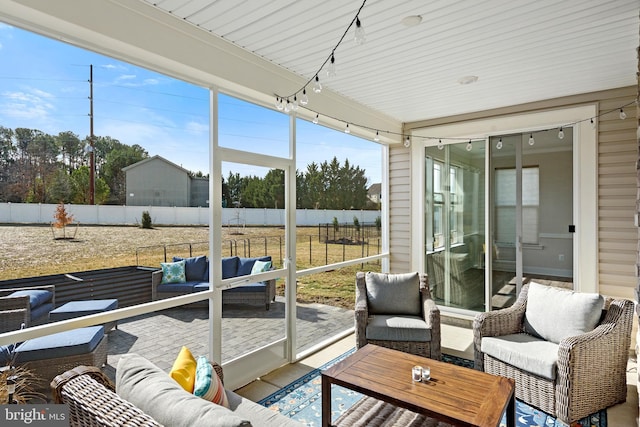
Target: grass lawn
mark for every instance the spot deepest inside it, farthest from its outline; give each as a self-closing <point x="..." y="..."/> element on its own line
<point x="29" y="251"/>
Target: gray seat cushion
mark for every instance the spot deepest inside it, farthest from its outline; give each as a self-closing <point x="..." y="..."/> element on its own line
<point x="62" y="344"/>
<point x="554" y="314"/>
<point x="525" y="352"/>
<point x="397" y="328"/>
<point x="258" y="414"/>
<point x="157" y="394"/>
<point x="393" y="293"/>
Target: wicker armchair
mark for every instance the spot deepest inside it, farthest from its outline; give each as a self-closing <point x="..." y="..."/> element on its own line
<point x="397" y="329"/>
<point x="590" y="371"/>
<point x="16" y="310"/>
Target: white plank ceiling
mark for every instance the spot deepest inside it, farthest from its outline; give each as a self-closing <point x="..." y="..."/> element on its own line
<point x="520" y="50"/>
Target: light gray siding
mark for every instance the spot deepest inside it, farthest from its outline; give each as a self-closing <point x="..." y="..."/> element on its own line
<point x="399" y="209"/>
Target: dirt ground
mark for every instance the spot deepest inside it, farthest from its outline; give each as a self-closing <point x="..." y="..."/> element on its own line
<point x="27" y="251"/>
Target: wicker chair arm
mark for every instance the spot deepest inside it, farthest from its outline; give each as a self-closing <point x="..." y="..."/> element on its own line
<point x="12" y="320"/>
<point x="604" y="349"/>
<point x="497" y="323"/>
<point x="361" y="310"/>
<point x="14" y="303"/>
<point x="92" y="403"/>
<point x="431" y="314"/>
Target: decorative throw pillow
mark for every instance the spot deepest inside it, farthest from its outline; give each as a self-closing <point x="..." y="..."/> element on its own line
<point x="260" y="267"/>
<point x="208" y="385"/>
<point x="184" y="369"/>
<point x="173" y="272"/>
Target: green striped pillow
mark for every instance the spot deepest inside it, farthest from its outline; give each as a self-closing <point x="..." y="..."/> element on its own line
<point x="208" y="385"/>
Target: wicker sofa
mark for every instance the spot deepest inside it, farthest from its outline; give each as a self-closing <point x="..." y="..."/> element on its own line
<point x="144" y="395"/>
<point x="197" y="279"/>
<point x="567" y="351"/>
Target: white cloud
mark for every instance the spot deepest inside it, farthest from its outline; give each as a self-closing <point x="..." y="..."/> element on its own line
<point x="32" y="104"/>
<point x="151" y="82"/>
<point x="198" y="128"/>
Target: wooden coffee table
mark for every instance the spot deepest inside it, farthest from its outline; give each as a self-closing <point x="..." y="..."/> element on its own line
<point x="457" y="395"/>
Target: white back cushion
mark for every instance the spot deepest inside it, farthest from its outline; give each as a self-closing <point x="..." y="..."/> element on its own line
<point x="554" y="314"/>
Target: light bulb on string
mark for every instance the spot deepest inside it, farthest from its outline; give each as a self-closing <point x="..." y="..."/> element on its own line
<point x="593" y="124"/>
<point x="561" y="134"/>
<point x="623" y="115"/>
<point x="469" y="147"/>
<point x="317" y="87"/>
<point x="440" y="144"/>
<point x="531" y="140"/>
<point x="287" y="106"/>
<point x="316" y="119"/>
<point x="407" y="142"/>
<point x="499" y="144"/>
<point x="279" y="104"/>
<point x="331" y="68"/>
<point x="304" y="99"/>
<point x="294" y="106"/>
<point x="377" y="137"/>
<point x="359" y="35"/>
<point x="346" y="129"/>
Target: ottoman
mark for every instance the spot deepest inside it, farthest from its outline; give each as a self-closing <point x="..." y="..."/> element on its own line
<point x="53" y="354"/>
<point x="84" y="308"/>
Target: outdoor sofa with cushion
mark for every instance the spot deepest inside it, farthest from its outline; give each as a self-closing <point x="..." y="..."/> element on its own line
<point x="196" y="279"/>
<point x="145" y="395"/>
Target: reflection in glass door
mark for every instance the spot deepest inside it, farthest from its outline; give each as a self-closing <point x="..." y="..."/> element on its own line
<point x="455" y="223"/>
<point x="532" y="202"/>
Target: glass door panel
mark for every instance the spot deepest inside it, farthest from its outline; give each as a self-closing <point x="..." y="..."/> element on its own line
<point x="454" y="224"/>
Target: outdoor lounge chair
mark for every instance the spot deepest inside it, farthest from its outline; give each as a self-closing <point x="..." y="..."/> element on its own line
<point x="396" y="311"/>
<point x="567" y="351"/>
<point x="26" y="306"/>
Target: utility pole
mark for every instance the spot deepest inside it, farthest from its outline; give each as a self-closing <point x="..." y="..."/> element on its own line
<point x="92" y="154"/>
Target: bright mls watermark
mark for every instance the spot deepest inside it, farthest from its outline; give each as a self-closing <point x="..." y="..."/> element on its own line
<point x="34" y="415"/>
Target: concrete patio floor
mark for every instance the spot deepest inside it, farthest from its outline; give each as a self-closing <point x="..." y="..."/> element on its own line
<point x="160" y="336"/>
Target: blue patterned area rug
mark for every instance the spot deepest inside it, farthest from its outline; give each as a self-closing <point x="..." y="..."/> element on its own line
<point x="301" y="400"/>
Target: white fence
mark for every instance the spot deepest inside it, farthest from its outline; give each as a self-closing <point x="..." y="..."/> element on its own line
<point x="32" y="213"/>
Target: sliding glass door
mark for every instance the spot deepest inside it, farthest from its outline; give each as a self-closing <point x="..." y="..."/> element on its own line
<point x="498" y="213"/>
<point x="455" y="222"/>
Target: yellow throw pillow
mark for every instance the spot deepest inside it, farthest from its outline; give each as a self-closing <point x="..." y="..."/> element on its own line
<point x="184" y="369"/>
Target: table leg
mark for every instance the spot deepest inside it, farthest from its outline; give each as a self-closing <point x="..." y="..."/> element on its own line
<point x="511" y="411"/>
<point x="326" y="402"/>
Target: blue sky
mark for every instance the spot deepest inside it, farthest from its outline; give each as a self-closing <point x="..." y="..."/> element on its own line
<point x="44" y="84"/>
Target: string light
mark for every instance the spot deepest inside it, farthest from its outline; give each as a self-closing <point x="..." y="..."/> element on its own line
<point x="317" y="86"/>
<point x="347" y="130"/>
<point x="359" y="35"/>
<point x="294" y="106"/>
<point x="359" y="38"/>
<point x="287" y="106"/>
<point x="316" y="119"/>
<point x="331" y="68"/>
<point x="469" y="147"/>
<point x="623" y="115"/>
<point x="407" y="142"/>
<point x="499" y="144"/>
<point x="304" y="99"/>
